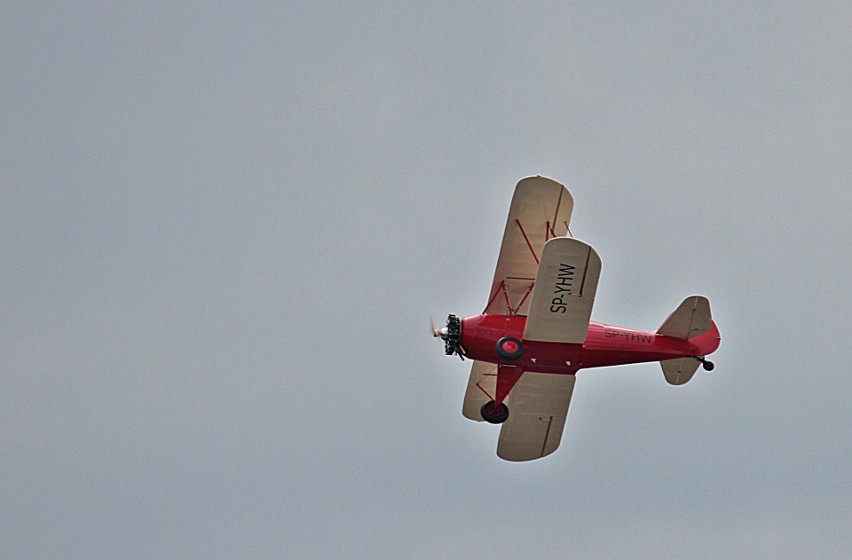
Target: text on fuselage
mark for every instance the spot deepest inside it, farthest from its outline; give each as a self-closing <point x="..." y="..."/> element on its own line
<point x="562" y="288"/>
<point x="633" y="337"/>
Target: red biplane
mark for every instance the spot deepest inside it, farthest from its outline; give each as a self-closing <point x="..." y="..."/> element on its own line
<point x="535" y="332"/>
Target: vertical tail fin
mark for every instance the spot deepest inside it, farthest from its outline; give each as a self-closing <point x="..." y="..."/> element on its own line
<point x="690" y="319"/>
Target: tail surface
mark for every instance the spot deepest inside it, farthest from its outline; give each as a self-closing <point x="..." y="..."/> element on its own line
<point x="679" y="370"/>
<point x="690" y="321"/>
<point x="691" y="318"/>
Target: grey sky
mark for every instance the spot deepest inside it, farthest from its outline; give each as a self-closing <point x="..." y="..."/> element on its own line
<point x="225" y="229"/>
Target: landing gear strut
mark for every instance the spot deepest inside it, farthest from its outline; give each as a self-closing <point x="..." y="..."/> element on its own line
<point x="705" y="363"/>
<point x="494" y="413"/>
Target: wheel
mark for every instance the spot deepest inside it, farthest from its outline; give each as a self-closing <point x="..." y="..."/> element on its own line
<point x="708" y="365"/>
<point x="509" y="348"/>
<point x="493" y="413"/>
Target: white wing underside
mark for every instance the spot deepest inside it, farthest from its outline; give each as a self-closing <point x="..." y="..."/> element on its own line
<point x="538" y="406"/>
<point x="564" y="293"/>
<point x="541" y="210"/>
<point x="481" y="387"/>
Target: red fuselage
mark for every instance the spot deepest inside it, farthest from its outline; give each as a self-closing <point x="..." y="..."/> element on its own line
<point x="605" y="345"/>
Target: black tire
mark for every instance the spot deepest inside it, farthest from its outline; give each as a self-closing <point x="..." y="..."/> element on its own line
<point x="708" y="366"/>
<point x="509" y="348"/>
<point x="494" y="414"/>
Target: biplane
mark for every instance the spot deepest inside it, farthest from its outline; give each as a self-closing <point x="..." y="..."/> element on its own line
<point x="535" y="333"/>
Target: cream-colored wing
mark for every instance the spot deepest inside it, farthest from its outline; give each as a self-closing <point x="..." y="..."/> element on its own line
<point x="537" y="411"/>
<point x="564" y="292"/>
<point x="541" y="210"/>
<point x="481" y="387"/>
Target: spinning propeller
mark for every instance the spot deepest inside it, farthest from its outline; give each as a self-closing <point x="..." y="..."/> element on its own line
<point x="451" y="335"/>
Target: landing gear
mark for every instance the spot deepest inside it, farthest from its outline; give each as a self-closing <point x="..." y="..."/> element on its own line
<point x="705" y="363"/>
<point x="494" y="413"/>
<point x="509" y="348"/>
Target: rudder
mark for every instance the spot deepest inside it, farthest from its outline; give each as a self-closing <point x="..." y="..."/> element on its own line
<point x="691" y="318"/>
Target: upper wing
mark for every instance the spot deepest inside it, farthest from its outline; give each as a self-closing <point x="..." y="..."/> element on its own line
<point x="541" y="210"/>
<point x="538" y="406"/>
<point x="564" y="293"/>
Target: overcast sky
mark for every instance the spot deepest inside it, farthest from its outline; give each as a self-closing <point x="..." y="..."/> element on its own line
<point x="225" y="230"/>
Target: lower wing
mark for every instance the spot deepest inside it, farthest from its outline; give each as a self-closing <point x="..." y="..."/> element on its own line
<point x="538" y="407"/>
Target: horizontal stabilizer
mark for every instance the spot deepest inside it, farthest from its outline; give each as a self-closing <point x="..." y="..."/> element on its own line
<point x="679" y="370"/>
<point x="691" y="318"/>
